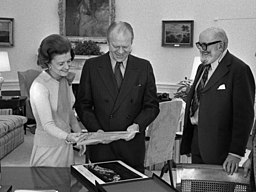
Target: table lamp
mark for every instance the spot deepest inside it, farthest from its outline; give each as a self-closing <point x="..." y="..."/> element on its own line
<point x="4" y="66"/>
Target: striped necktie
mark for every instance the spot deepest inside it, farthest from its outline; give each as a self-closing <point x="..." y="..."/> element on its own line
<point x="199" y="88"/>
<point x="118" y="74"/>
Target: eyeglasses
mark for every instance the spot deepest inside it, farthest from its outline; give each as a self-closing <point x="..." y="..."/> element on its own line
<point x="204" y="46"/>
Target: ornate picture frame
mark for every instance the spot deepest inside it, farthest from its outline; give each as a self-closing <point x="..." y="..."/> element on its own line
<point x="6" y="32"/>
<point x="81" y="20"/>
<point x="177" y="33"/>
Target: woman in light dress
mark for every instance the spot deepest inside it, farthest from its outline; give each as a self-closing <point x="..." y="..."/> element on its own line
<point x="51" y="99"/>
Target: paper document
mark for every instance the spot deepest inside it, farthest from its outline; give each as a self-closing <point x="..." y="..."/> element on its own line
<point x="91" y="138"/>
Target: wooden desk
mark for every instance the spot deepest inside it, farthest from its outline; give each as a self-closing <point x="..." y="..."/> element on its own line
<point x="59" y="179"/>
<point x="55" y="178"/>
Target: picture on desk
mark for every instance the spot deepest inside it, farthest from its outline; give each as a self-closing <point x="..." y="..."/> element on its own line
<point x="112" y="171"/>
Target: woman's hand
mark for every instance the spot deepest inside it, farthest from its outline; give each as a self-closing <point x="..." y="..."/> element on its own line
<point x="82" y="149"/>
<point x="74" y="137"/>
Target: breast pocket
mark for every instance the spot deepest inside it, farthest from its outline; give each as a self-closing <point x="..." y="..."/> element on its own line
<point x="137" y="93"/>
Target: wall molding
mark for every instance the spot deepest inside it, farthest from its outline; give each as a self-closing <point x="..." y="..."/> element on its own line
<point x="167" y="88"/>
<point x="161" y="87"/>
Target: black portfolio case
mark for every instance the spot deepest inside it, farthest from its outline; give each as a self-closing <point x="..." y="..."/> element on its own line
<point x="113" y="176"/>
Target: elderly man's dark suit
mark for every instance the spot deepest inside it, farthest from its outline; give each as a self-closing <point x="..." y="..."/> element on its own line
<point x="226" y="112"/>
<point x="99" y="105"/>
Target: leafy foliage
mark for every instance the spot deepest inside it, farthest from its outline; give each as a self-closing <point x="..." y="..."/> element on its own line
<point x="183" y="90"/>
<point x="87" y="48"/>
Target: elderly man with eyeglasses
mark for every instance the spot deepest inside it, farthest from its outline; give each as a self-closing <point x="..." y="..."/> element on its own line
<point x="220" y="105"/>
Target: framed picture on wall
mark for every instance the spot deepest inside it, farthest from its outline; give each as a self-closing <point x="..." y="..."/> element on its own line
<point x="86" y="19"/>
<point x="6" y="32"/>
<point x="177" y="33"/>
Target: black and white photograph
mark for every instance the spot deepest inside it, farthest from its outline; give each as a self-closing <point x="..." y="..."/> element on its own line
<point x="127" y="95"/>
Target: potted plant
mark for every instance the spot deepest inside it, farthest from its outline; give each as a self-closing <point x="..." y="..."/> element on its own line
<point x="182" y="91"/>
<point x="87" y="48"/>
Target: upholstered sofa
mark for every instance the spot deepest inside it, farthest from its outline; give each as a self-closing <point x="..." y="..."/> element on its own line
<point x="11" y="133"/>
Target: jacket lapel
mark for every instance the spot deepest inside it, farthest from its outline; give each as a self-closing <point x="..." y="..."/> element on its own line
<point x="191" y="93"/>
<point x="220" y="71"/>
<point x="128" y="81"/>
<point x="107" y="76"/>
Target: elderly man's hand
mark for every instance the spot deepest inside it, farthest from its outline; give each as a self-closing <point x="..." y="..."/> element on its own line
<point x="247" y="167"/>
<point x="231" y="164"/>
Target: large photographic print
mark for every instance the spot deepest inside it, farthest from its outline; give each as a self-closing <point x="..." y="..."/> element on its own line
<point x="111" y="172"/>
<point x="86" y="19"/>
<point x="177" y="33"/>
<point x="108" y="172"/>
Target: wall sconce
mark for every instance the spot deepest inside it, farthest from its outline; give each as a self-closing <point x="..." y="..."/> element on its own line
<point x="4" y="66"/>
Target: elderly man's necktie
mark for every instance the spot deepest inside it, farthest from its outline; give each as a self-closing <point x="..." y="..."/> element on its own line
<point x="199" y="88"/>
<point x="118" y="74"/>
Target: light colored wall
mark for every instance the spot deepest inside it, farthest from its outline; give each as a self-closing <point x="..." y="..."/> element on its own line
<point x="35" y="19"/>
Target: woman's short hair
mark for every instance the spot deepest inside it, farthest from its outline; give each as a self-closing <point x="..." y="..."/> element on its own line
<point x="51" y="46"/>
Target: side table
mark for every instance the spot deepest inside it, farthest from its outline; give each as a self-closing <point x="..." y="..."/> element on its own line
<point x="16" y="103"/>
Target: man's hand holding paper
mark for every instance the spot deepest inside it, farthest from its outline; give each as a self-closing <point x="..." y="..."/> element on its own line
<point x="132" y="129"/>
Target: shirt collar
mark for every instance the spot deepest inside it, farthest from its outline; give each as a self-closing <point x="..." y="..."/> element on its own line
<point x="216" y="63"/>
<point x="47" y="77"/>
<point x="113" y="62"/>
<point x="223" y="54"/>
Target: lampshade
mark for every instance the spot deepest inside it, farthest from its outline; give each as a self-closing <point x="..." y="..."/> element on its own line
<point x="4" y="61"/>
<point x="196" y="63"/>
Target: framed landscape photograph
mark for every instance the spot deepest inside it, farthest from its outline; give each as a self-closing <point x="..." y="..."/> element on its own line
<point x="177" y="33"/>
<point x="86" y="19"/>
<point x="6" y="32"/>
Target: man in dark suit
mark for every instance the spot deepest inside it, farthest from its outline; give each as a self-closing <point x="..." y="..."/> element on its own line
<point x="216" y="128"/>
<point x="117" y="92"/>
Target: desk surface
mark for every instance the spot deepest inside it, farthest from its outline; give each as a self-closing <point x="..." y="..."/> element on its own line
<point x="59" y="179"/>
<point x="46" y="178"/>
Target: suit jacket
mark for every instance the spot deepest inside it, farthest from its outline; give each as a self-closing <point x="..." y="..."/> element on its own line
<point x="226" y="111"/>
<point x="99" y="105"/>
<point x="252" y="156"/>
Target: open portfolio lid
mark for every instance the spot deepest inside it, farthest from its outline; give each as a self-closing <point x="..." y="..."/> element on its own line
<point x="116" y="176"/>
